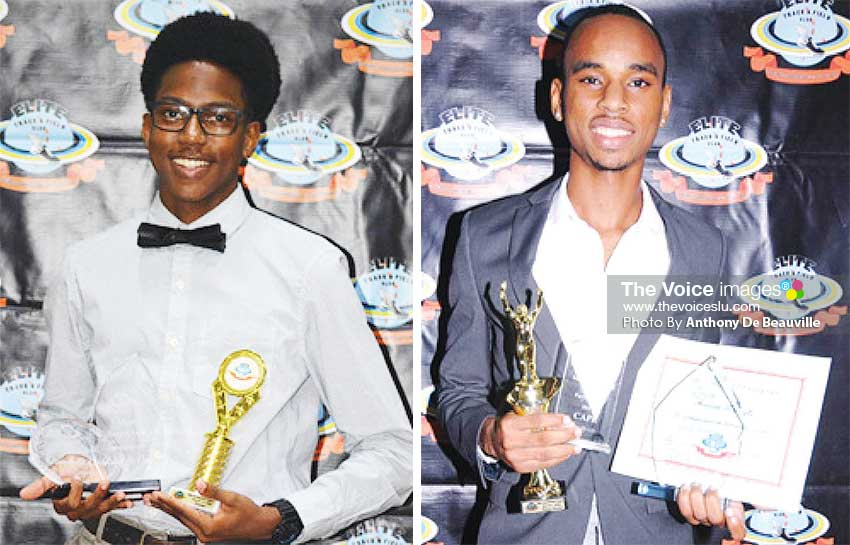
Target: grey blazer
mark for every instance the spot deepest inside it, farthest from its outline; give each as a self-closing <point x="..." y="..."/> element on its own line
<point x="498" y="241"/>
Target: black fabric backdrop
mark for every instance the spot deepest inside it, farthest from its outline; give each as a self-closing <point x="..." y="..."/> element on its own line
<point x="487" y="55"/>
<point x="77" y="54"/>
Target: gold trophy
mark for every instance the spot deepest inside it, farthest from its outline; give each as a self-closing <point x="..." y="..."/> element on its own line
<point x="241" y="375"/>
<point x="532" y="395"/>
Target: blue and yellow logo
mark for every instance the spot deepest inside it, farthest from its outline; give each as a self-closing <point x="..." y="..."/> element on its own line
<point x="384" y="24"/>
<point x="147" y="17"/>
<point x="21" y="390"/>
<point x="793" y="289"/>
<point x="781" y="527"/>
<point x="301" y="149"/>
<point x="386" y="292"/>
<point x="467" y="144"/>
<point x="803" y="32"/>
<point x="39" y="139"/>
<point x="714" y="154"/>
<point x="4" y="9"/>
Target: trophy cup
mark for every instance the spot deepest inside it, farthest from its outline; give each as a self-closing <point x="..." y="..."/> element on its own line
<point x="68" y="448"/>
<point x="532" y="395"/>
<point x="241" y="375"/>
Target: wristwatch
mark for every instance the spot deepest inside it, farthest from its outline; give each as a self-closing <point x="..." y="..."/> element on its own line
<point x="290" y="523"/>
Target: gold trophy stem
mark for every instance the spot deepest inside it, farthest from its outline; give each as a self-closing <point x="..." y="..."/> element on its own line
<point x="213" y="458"/>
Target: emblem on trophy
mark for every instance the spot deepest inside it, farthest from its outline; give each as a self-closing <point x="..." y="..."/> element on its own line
<point x="241" y="375"/>
<point x="532" y="395"/>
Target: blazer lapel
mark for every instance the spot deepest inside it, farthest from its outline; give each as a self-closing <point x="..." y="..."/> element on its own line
<point x="527" y="226"/>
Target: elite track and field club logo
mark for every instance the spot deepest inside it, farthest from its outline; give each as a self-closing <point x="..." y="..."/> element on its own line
<point x="808" y="37"/>
<point x="782" y="527"/>
<point x="312" y="162"/>
<point x="722" y="166"/>
<point x="50" y="153"/>
<point x="469" y="147"/>
<point x="793" y="299"/>
<point x="21" y="389"/>
<point x="143" y="19"/>
<point x="5" y="30"/>
<point x="385" y="27"/>
<point x="386" y="292"/>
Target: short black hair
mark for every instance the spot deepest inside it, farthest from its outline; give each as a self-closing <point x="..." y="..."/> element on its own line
<point x="579" y="16"/>
<point x="237" y="46"/>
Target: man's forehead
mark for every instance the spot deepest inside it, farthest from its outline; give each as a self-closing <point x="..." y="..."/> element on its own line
<point x="614" y="32"/>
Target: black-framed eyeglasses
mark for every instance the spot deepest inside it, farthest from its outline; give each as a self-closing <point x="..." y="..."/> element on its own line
<point x="214" y="120"/>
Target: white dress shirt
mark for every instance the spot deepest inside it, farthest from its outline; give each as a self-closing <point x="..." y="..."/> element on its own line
<point x="569" y="267"/>
<point x="137" y="337"/>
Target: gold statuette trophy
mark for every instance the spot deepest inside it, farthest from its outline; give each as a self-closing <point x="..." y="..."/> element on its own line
<point x="531" y="395"/>
<point x="241" y="375"/>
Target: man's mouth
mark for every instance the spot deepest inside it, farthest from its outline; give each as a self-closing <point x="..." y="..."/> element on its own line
<point x="611" y="133"/>
<point x="191" y="163"/>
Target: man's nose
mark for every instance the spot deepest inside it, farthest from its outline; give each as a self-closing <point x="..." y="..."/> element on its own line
<point x="193" y="130"/>
<point x="614" y="99"/>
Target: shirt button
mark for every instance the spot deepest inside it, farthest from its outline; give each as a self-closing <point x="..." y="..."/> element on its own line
<point x="156" y="454"/>
<point x="180" y="285"/>
<point x="172" y="341"/>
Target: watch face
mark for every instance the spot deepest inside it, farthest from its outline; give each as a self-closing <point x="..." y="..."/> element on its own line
<point x="242" y="373"/>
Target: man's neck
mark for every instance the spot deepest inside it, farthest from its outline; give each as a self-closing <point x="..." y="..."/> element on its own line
<point x="609" y="201"/>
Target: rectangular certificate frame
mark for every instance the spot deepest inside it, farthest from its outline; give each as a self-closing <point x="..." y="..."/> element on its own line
<point x="781" y="395"/>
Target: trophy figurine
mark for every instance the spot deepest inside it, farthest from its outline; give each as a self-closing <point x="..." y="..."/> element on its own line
<point x="532" y="395"/>
<point x="241" y="375"/>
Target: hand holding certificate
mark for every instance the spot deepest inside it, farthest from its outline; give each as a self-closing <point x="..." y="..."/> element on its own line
<point x="740" y="420"/>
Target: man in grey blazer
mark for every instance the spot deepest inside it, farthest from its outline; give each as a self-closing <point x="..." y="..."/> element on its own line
<point x="612" y="98"/>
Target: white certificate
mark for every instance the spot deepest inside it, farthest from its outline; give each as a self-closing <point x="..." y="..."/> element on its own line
<point x="742" y="420"/>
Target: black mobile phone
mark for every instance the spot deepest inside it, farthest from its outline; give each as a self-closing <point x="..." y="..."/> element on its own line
<point x="133" y="489"/>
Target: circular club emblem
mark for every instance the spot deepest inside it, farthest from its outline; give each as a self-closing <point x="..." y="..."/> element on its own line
<point x="40" y="142"/>
<point x="470" y="149"/>
<point x="385" y="24"/>
<point x="21" y="390"/>
<point x="4" y="9"/>
<point x="147" y="17"/>
<point x="301" y="152"/>
<point x="713" y="157"/>
<point x="386" y="293"/>
<point x="803" y="34"/>
<point x="242" y="372"/>
<point x="781" y="528"/>
<point x="427" y="529"/>
<point x="798" y="294"/>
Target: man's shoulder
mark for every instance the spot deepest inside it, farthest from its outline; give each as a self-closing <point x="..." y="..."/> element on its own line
<point x="503" y="209"/>
<point x="107" y="243"/>
<point x="288" y="237"/>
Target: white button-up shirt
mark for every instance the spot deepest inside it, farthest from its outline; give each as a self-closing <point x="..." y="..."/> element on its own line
<point x="569" y="268"/>
<point x="138" y="335"/>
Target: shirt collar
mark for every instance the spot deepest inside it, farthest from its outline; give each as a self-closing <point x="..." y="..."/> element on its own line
<point x="230" y="214"/>
<point x="563" y="210"/>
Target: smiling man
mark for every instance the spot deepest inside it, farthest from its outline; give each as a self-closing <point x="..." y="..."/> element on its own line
<point x="146" y="311"/>
<point x="565" y="237"/>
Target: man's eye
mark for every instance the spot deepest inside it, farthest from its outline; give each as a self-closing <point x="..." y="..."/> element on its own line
<point x="639" y="83"/>
<point x="171" y="115"/>
<point x="592" y="80"/>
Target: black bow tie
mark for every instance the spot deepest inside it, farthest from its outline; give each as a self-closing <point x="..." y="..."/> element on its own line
<point x="157" y="236"/>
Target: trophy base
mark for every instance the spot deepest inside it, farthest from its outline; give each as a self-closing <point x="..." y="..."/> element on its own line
<point x="517" y="504"/>
<point x="198" y="502"/>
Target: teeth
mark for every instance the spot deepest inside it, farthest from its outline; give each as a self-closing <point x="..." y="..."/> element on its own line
<point x="610" y="132"/>
<point x="191" y="163"/>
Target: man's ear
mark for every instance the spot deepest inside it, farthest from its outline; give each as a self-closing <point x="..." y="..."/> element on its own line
<point x="147" y="123"/>
<point x="252" y="137"/>
<point x="556" y="93"/>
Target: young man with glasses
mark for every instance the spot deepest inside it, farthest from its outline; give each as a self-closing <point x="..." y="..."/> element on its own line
<point x="145" y="312"/>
